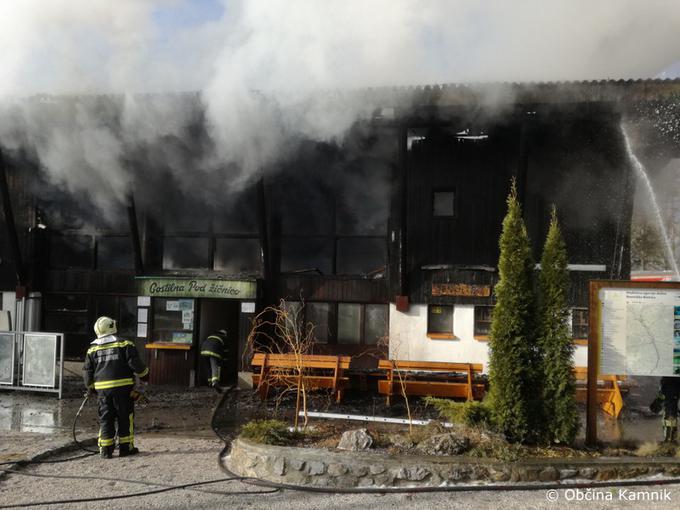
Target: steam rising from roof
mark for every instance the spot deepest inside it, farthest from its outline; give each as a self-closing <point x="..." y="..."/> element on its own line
<point x="257" y="65"/>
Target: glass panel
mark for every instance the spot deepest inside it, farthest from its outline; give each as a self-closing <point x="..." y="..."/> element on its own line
<point x="67" y="323"/>
<point x="127" y="322"/>
<point x="237" y="215"/>
<point x="319" y="315"/>
<point x="186" y="253"/>
<point x="349" y="323"/>
<point x="483" y="320"/>
<point x="106" y="305"/>
<point x="168" y="320"/>
<point x="72" y="251"/>
<point x="361" y="256"/>
<point x="307" y="254"/>
<point x="114" y="253"/>
<point x="579" y="323"/>
<point x="295" y="313"/>
<point x="364" y="200"/>
<point x="443" y="203"/>
<point x="440" y="319"/>
<point x="377" y="324"/>
<point x="194" y="216"/>
<point x="238" y="256"/>
<point x="66" y="302"/>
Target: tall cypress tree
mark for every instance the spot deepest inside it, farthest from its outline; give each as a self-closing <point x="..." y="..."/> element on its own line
<point x="513" y="394"/>
<point x="559" y="392"/>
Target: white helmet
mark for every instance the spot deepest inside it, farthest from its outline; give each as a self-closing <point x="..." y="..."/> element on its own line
<point x="105" y="326"/>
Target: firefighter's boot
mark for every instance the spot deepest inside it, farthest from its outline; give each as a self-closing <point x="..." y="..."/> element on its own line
<point x="106" y="452"/>
<point x="124" y="450"/>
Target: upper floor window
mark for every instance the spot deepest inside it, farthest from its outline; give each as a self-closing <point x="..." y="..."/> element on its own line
<point x="443" y="203"/>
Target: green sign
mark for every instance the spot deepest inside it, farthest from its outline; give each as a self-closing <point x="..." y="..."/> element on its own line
<point x="197" y="288"/>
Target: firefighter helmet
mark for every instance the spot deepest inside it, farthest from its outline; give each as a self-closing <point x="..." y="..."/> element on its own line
<point x="105" y="326"/>
<point x="222" y="332"/>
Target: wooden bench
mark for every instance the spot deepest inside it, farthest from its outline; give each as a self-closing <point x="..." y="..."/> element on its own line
<point x="291" y="370"/>
<point x="610" y="389"/>
<point x="430" y="378"/>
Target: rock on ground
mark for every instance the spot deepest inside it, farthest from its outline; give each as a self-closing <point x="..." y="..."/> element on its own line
<point x="355" y="440"/>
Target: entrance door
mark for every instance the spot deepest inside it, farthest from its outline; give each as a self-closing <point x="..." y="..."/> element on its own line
<point x="220" y="314"/>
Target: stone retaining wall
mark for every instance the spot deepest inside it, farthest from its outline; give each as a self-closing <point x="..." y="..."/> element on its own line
<point x="334" y="469"/>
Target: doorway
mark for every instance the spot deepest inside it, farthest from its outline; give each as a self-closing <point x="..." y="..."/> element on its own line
<point x="220" y="314"/>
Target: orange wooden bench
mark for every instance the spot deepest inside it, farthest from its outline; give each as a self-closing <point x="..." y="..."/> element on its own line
<point x="430" y="378"/>
<point x="610" y="389"/>
<point x="316" y="371"/>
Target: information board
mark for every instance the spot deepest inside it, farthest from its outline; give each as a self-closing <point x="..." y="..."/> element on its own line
<point x="640" y="331"/>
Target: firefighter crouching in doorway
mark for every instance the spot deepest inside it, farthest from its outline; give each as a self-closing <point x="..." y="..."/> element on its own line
<point x="214" y="350"/>
<point x="111" y="365"/>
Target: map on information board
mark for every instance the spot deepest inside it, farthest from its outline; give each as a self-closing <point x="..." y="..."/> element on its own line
<point x="640" y="331"/>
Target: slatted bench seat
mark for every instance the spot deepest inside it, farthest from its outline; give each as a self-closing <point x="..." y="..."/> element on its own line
<point x="286" y="370"/>
<point x="430" y="378"/>
<point x="610" y="389"/>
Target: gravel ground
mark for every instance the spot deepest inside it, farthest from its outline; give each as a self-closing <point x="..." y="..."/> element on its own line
<point x="173" y="460"/>
<point x="178" y="448"/>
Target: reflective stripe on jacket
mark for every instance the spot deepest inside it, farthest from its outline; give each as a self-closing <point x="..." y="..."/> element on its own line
<point x="112" y="362"/>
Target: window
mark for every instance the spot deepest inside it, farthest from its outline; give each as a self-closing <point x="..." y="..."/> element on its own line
<point x="71" y="251"/>
<point x="319" y="314"/>
<point x="579" y="324"/>
<point x="114" y="252"/>
<point x="376" y="323"/>
<point x="443" y="204"/>
<point x="343" y="323"/>
<point x="238" y="256"/>
<point x="483" y="322"/>
<point x="309" y="254"/>
<point x="361" y="256"/>
<point x="349" y="323"/>
<point x="186" y="253"/>
<point x="440" y="321"/>
<point x="173" y="320"/>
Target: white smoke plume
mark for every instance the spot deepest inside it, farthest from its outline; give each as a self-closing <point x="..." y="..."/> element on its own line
<point x="270" y="72"/>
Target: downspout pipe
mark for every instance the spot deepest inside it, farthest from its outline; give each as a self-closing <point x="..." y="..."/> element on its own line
<point x="10" y="224"/>
<point x="134" y="234"/>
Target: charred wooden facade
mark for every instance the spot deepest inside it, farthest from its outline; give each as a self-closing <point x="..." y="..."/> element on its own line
<point x="391" y="234"/>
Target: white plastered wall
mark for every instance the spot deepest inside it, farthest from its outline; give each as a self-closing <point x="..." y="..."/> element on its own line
<point x="409" y="340"/>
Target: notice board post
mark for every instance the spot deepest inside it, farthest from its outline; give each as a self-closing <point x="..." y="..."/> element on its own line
<point x="613" y="342"/>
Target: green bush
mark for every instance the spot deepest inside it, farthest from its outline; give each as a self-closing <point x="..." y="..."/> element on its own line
<point x="514" y="368"/>
<point x="472" y="414"/>
<point x="273" y="432"/>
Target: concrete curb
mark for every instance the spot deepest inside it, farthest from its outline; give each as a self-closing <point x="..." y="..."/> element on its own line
<point x="333" y="469"/>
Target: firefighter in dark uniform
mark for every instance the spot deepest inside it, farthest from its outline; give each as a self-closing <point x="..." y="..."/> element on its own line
<point x="214" y="351"/>
<point x="111" y="365"/>
<point x="670" y="389"/>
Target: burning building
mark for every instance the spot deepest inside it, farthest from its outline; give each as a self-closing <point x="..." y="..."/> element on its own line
<point x="389" y="233"/>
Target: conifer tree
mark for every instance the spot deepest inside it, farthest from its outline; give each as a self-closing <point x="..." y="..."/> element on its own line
<point x="559" y="393"/>
<point x="513" y="392"/>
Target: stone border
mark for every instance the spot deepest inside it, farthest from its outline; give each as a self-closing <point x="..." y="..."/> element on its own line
<point x="335" y="469"/>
